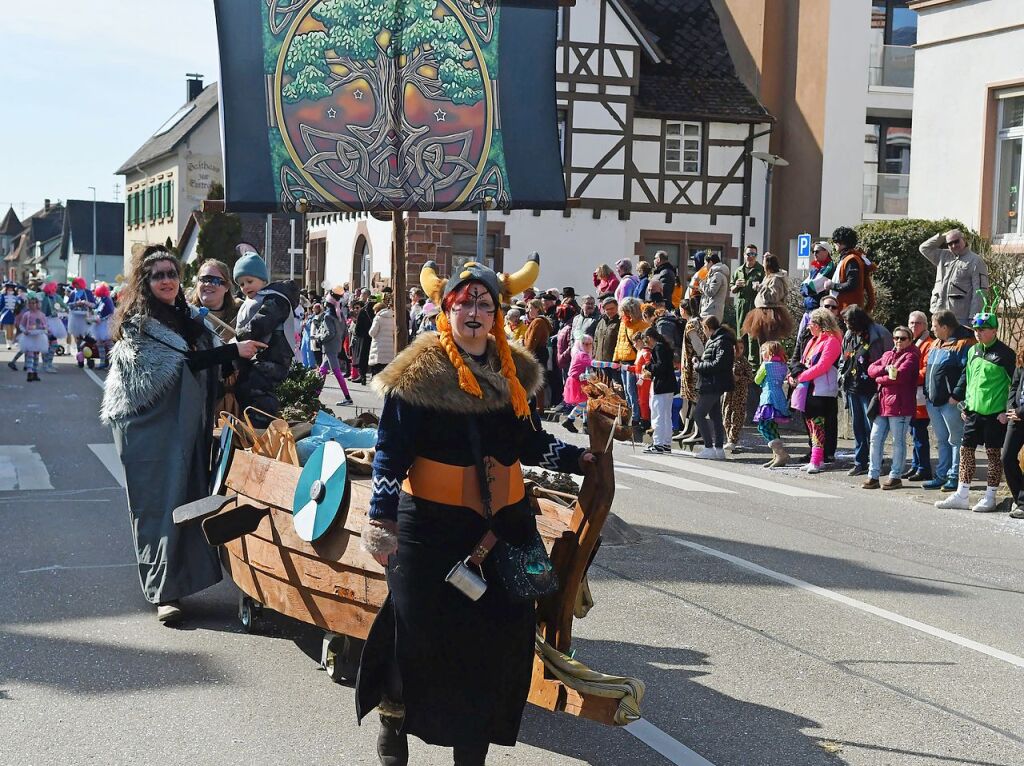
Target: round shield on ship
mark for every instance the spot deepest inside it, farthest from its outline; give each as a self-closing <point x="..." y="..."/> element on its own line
<point x="320" y="492"/>
<point x="220" y="473"/>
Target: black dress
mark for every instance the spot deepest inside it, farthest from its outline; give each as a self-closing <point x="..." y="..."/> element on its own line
<point x="464" y="666"/>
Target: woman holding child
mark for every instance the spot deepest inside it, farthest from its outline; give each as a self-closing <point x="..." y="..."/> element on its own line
<point x="158" y="401"/>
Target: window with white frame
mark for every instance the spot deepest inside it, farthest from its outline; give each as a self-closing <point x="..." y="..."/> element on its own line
<point x="1009" y="168"/>
<point x="682" y="147"/>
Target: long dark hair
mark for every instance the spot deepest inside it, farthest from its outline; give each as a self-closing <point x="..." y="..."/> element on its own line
<point x="136" y="298"/>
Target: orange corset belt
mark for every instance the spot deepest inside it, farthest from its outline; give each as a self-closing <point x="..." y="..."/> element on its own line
<point x="460" y="485"/>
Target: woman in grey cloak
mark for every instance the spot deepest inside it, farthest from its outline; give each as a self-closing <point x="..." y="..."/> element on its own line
<point x="158" y="401"/>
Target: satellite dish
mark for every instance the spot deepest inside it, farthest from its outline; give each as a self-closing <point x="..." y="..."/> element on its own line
<point x="320" y="491"/>
<point x="770" y="159"/>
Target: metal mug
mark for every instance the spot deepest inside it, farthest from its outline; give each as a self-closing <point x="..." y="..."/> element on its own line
<point x="468" y="582"/>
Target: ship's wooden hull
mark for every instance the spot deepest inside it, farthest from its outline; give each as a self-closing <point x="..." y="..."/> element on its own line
<point x="332" y="583"/>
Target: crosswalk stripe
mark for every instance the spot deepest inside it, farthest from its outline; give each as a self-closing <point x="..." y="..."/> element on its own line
<point x="670" y="480"/>
<point x="22" y="468"/>
<point x="107" y="454"/>
<point x="682" y="462"/>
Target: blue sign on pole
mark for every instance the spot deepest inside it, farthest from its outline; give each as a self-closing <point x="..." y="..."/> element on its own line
<point x="803" y="252"/>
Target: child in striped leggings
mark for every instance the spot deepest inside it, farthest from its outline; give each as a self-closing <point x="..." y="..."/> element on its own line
<point x="772" y="408"/>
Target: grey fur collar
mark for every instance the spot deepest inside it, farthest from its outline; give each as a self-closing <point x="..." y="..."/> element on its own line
<point x="142" y="369"/>
<point x="423" y="375"/>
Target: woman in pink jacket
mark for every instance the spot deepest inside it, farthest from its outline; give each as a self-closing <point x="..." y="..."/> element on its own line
<point x="896" y="375"/>
<point x="816" y="380"/>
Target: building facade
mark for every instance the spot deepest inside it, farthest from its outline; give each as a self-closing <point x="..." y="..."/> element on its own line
<point x="839" y="76"/>
<point x="31" y="244"/>
<point x="656" y="133"/>
<point x="170" y="175"/>
<point x="77" y="243"/>
<point x="970" y="106"/>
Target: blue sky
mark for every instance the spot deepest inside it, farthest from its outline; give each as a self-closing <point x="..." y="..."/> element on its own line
<point x="85" y="84"/>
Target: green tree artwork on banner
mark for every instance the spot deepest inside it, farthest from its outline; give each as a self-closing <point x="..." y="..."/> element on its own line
<point x="405" y="116"/>
<point x="387" y="44"/>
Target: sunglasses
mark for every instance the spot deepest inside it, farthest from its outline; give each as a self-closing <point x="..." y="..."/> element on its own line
<point x="832" y="307"/>
<point x="954" y="242"/>
<point x="160" y="276"/>
<point x="212" y="280"/>
<point x="903" y="338"/>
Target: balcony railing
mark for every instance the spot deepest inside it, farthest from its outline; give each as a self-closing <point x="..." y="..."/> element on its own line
<point x="886" y="194"/>
<point x="891" y="66"/>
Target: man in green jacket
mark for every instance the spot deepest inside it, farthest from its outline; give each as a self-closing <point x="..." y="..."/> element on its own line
<point x="745" y="281"/>
<point x="981" y="395"/>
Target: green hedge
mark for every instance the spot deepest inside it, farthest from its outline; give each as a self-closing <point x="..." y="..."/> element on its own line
<point x="908" y="276"/>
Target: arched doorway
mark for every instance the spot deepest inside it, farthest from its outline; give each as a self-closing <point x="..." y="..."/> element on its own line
<point x="361" y="263"/>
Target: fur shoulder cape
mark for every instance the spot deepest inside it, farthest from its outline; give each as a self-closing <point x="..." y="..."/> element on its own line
<point x="142" y="368"/>
<point x="423" y="375"/>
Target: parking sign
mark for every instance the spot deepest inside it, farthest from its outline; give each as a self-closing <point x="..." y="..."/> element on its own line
<point x="803" y="252"/>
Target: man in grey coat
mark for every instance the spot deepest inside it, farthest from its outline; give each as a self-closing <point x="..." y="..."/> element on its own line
<point x="959" y="274"/>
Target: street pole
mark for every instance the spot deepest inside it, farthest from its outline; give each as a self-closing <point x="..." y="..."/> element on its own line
<point x="770" y="160"/>
<point x="94" y="270"/>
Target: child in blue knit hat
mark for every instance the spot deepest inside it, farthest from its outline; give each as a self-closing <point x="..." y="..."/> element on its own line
<point x="267" y="315"/>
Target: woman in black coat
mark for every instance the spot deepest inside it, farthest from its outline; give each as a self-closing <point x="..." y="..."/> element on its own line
<point x="714" y="372"/>
<point x="664" y="386"/>
<point x="439" y="665"/>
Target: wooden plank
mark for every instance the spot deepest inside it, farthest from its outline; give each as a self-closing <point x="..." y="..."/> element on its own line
<point x="270" y="481"/>
<point x="318" y="609"/>
<point x="310" y="573"/>
<point x="338" y="546"/>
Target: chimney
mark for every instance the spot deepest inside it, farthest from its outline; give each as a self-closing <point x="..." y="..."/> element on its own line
<point x="194" y="86"/>
<point x="46" y="206"/>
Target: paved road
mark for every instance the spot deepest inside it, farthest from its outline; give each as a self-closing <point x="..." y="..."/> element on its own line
<point x="778" y="620"/>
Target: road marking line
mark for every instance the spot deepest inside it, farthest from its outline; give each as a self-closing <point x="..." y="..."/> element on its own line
<point x="682" y="463"/>
<point x="95" y="378"/>
<point x="670" y="480"/>
<point x="660" y="742"/>
<point x="107" y="454"/>
<point x="60" y="567"/>
<point x="22" y="468"/>
<point x="885" y="614"/>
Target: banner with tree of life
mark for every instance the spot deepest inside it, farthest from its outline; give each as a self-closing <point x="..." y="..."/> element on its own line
<point x="380" y="105"/>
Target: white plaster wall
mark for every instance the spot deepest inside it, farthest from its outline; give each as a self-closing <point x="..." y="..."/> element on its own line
<point x="341" y="243"/>
<point x="846" y="97"/>
<point x="946" y="172"/>
<point x="616" y="32"/>
<point x="584" y="21"/>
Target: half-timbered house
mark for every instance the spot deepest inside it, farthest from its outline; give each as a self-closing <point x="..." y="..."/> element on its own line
<point x="656" y="132"/>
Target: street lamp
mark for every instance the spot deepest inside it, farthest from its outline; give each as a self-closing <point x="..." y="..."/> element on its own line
<point x="770" y="160"/>
<point x="93" y="234"/>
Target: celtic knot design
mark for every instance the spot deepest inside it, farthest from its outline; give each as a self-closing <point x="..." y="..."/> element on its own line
<point x="480" y="16"/>
<point x="281" y="13"/>
<point x="388" y="176"/>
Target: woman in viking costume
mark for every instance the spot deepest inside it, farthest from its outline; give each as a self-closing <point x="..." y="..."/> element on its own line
<point x="455" y="426"/>
<point x="158" y="401"/>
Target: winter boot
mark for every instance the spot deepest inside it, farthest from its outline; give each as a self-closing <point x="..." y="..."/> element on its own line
<point x="817" y="460"/>
<point x="392" y="745"/>
<point x="781" y="455"/>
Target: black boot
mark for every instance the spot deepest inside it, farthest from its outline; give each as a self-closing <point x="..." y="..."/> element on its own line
<point x="471" y="756"/>
<point x="392" y="745"/>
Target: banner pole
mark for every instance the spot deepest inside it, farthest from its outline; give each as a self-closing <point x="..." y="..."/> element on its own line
<point x="400" y="294"/>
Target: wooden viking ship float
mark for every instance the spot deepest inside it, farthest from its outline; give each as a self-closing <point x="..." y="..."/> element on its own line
<point x="332" y="583"/>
